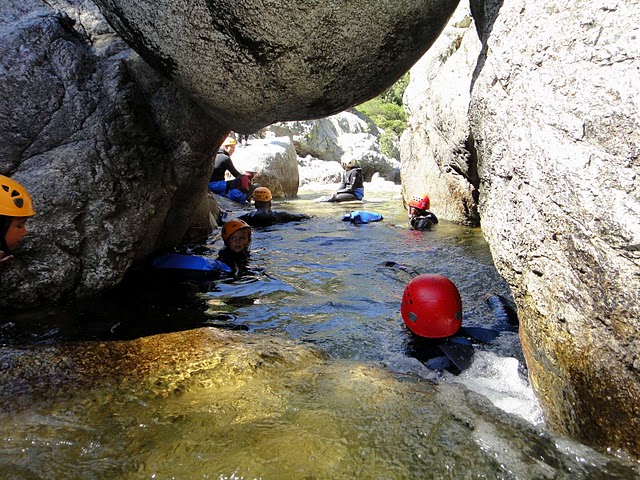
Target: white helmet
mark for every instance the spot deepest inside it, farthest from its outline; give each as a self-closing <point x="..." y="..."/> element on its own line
<point x="351" y="162"/>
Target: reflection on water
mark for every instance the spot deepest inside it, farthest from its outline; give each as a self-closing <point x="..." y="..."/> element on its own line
<point x="320" y="384"/>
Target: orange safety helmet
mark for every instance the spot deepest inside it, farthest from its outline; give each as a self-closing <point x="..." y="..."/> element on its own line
<point x="421" y="203"/>
<point x="232" y="226"/>
<point x="431" y="306"/>
<point x="262" y="194"/>
<point x="15" y="201"/>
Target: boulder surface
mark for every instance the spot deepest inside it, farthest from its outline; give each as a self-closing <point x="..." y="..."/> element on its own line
<point x="252" y="63"/>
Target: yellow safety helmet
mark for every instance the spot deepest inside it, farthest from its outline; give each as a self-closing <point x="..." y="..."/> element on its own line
<point x="15" y="201"/>
<point x="262" y="194"/>
<point x="351" y="162"/>
<point x="232" y="226"/>
<point x="229" y="141"/>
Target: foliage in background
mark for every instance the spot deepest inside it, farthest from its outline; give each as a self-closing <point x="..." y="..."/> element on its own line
<point x="387" y="113"/>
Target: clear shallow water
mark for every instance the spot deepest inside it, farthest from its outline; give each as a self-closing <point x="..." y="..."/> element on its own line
<point x="347" y="399"/>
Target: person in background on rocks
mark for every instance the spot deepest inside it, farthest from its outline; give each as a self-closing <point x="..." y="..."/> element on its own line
<point x="241" y="188"/>
<point x="263" y="216"/>
<point x="221" y="165"/>
<point x="236" y="235"/>
<point x="420" y="218"/>
<point x="352" y="186"/>
<point x="16" y="207"/>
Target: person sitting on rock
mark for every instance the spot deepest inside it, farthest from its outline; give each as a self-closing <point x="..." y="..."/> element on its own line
<point x="420" y="218"/>
<point x="263" y="216"/>
<point x="236" y="235"/>
<point x="16" y="207"/>
<point x="221" y="165"/>
<point x="352" y="186"/>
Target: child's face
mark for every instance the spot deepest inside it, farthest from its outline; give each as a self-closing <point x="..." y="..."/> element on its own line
<point x="16" y="232"/>
<point x="239" y="240"/>
<point x="415" y="212"/>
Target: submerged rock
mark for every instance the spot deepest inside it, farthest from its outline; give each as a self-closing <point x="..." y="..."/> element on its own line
<point x="208" y="402"/>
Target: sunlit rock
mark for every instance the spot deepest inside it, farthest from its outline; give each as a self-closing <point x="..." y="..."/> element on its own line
<point x="208" y="402"/>
<point x="275" y="161"/>
<point x="342" y="136"/>
<point x="554" y="116"/>
<point x="436" y="148"/>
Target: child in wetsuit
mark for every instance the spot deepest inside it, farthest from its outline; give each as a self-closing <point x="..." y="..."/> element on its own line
<point x="236" y="235"/>
<point x="420" y="218"/>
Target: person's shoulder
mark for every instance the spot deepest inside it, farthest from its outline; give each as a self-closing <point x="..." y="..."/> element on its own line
<point x="282" y="216"/>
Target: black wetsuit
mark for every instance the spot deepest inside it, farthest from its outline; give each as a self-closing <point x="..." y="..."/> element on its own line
<point x="237" y="262"/>
<point x="222" y="164"/>
<point x="262" y="217"/>
<point x="424" y="221"/>
<point x="351" y="188"/>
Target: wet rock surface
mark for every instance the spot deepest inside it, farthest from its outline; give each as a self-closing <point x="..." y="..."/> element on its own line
<point x="115" y="157"/>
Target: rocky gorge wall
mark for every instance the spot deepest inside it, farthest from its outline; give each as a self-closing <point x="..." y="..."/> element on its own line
<point x="531" y="128"/>
<point x="115" y="156"/>
<point x="532" y="108"/>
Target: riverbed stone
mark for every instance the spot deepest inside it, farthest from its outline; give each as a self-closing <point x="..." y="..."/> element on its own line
<point x="275" y="162"/>
<point x="343" y="136"/>
<point x="252" y="63"/>
<point x="254" y="403"/>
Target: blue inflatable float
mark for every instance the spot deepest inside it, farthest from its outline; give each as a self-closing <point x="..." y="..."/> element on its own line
<point x="360" y="216"/>
<point x="177" y="261"/>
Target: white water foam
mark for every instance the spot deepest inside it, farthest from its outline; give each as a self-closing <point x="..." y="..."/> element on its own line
<point x="498" y="379"/>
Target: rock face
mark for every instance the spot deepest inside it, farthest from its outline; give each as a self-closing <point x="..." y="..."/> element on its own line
<point x="554" y="114"/>
<point x="345" y="135"/>
<point x="540" y="118"/>
<point x="436" y="148"/>
<point x="253" y="63"/>
<point x="115" y="157"/>
<point x="275" y="161"/>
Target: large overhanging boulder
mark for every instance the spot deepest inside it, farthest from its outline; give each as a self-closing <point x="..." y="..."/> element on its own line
<point x="252" y="63"/>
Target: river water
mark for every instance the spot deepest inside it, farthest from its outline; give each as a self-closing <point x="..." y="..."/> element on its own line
<point x="305" y="369"/>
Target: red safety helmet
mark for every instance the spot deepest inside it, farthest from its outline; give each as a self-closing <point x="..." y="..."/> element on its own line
<point x="431" y="306"/>
<point x="421" y="203"/>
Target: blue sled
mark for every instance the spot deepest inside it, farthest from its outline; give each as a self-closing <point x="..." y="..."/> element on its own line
<point x="360" y="217"/>
<point x="176" y="261"/>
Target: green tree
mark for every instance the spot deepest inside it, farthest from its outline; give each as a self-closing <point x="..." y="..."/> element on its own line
<point x="387" y="112"/>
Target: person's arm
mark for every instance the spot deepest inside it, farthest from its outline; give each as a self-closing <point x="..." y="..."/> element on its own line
<point x="232" y="169"/>
<point x="283" y="217"/>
